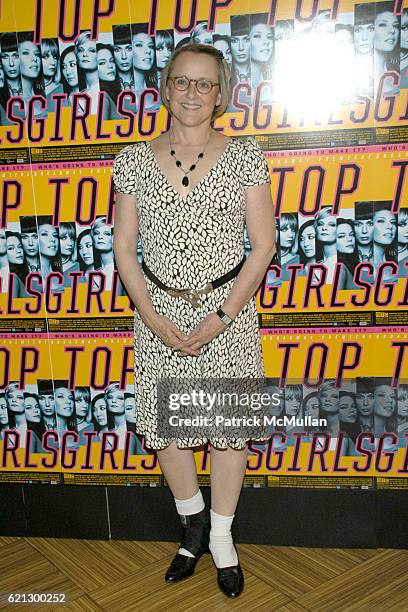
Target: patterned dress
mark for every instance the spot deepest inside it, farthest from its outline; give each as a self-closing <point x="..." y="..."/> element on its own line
<point x="186" y="242"/>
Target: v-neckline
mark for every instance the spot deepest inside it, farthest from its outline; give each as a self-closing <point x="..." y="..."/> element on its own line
<point x="184" y="198"/>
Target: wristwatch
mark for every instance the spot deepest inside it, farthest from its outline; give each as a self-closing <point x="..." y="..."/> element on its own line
<point x="224" y="317"/>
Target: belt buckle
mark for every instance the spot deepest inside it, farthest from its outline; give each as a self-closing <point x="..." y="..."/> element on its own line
<point x="192" y="296"/>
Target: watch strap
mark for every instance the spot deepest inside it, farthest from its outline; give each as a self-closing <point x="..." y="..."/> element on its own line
<point x="224" y="317"/>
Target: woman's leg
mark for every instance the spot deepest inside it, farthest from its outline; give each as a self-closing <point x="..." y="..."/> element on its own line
<point x="179" y="470"/>
<point x="227" y="474"/>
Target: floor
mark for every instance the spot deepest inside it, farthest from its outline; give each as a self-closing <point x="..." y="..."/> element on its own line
<point x="119" y="576"/>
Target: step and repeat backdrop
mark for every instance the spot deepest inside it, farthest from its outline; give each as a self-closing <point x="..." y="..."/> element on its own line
<point x="323" y="86"/>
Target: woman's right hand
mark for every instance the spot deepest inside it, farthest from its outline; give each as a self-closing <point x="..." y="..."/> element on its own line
<point x="170" y="334"/>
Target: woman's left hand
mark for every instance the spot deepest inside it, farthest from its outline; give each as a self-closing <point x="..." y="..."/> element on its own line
<point x="208" y="329"/>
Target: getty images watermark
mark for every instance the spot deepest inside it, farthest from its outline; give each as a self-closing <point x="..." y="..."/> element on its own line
<point x="225" y="408"/>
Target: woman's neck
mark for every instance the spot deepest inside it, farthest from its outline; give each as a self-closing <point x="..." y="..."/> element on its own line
<point x="140" y="80"/>
<point x="91" y="78"/>
<point x="329" y="250"/>
<point x="194" y="136"/>
<point x="106" y="258"/>
<point x="46" y="266"/>
<point x="402" y="248"/>
<point x="380" y="62"/>
<point x="20" y="420"/>
<point x="28" y="90"/>
<point x="119" y="420"/>
<point x="378" y="254"/>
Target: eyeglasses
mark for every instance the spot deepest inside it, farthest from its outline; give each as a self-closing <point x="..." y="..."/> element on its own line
<point x="182" y="83"/>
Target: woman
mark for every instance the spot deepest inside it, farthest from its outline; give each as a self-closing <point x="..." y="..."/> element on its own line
<point x="293" y="406"/>
<point x="16" y="411"/>
<point x="51" y="70"/>
<point x="402" y="397"/>
<point x="329" y="406"/>
<point x="34" y="420"/>
<point x="386" y="39"/>
<point x="348" y="420"/>
<point x="88" y="79"/>
<point x="164" y="46"/>
<point x="384" y="234"/>
<point x="404" y="50"/>
<point x="17" y="263"/>
<point x="10" y="62"/>
<point x="48" y="240"/>
<point x="287" y="226"/>
<point x="102" y="238"/>
<point x="311" y="408"/>
<point x="67" y="238"/>
<point x="195" y="166"/>
<point x="30" y="67"/>
<point x="143" y="59"/>
<point x="326" y="230"/>
<point x="109" y="81"/>
<point x="385" y="404"/>
<point x="3" y="415"/>
<point x="307" y="246"/>
<point x="65" y="411"/>
<point x="102" y="420"/>
<point x="130" y="416"/>
<point x="88" y="258"/>
<point x="347" y="252"/>
<point x="261" y="37"/>
<point x="403" y="242"/>
<point x="83" y="412"/>
<point x="69" y="72"/>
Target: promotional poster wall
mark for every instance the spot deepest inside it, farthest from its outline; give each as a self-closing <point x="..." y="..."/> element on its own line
<point x="323" y="87"/>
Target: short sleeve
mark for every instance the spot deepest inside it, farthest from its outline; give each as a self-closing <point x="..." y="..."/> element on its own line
<point x="125" y="171"/>
<point x="255" y="166"/>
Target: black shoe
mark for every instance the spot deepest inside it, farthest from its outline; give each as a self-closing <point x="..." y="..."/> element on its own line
<point x="231" y="580"/>
<point x="196" y="536"/>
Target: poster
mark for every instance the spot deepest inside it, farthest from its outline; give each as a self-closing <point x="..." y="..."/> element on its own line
<point x="80" y="80"/>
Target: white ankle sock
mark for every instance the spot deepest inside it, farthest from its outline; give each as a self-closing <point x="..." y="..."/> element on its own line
<point x="186" y="507"/>
<point x="221" y="545"/>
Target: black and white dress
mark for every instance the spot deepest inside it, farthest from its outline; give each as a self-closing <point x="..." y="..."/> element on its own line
<point x="187" y="242"/>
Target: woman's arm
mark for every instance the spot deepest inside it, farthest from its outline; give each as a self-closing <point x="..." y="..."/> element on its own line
<point x="260" y="223"/>
<point x="125" y="240"/>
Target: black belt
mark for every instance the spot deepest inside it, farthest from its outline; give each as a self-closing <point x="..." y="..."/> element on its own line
<point x="193" y="295"/>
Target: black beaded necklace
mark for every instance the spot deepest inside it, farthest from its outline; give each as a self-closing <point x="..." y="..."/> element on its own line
<point x="185" y="180"/>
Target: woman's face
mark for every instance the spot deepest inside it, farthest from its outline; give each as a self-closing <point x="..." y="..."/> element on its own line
<point x="3" y="411"/>
<point x="123" y="57"/>
<point x="345" y="238"/>
<point x="30" y="59"/>
<point x="48" y="240"/>
<point x="67" y="243"/>
<point x="29" y="240"/>
<point x="312" y="407"/>
<point x="69" y="69"/>
<point x="64" y="402"/>
<point x="292" y="405"/>
<point x="403" y="229"/>
<point x="240" y="46"/>
<point x="81" y="405"/>
<point x="364" y="38"/>
<point x="190" y="107"/>
<point x="85" y="249"/>
<point x="287" y="235"/>
<point x="364" y="229"/>
<point x="347" y="409"/>
<point x="116" y="401"/>
<point x="15" y="400"/>
<point x="2" y="78"/>
<point x="307" y="242"/>
<point x="402" y="403"/>
<point x="261" y="38"/>
<point x="87" y="59"/>
<point x="326" y="229"/>
<point x="49" y="63"/>
<point x="106" y="65"/>
<point x="15" y="252"/>
<point x="32" y="410"/>
<point x="99" y="412"/>
<point x="385" y="227"/>
<point x="365" y="403"/>
<point x="223" y="46"/>
<point x="329" y="400"/>
<point x="102" y="237"/>
<point x="143" y="52"/>
<point x="404" y="31"/>
<point x="384" y="401"/>
<point x="203" y="38"/>
<point x="10" y="61"/>
<point x="163" y="52"/>
<point x="47" y="404"/>
<point x="130" y="410"/>
<point x="386" y="31"/>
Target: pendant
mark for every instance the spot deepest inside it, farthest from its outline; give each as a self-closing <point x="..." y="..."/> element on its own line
<point x="185" y="181"/>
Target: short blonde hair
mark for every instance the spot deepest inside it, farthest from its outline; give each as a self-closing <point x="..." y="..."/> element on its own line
<point x="223" y="74"/>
